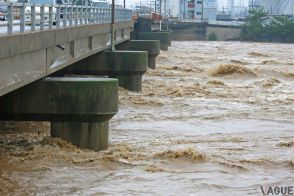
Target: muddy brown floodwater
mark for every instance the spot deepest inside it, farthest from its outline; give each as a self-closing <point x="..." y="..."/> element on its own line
<point x="214" y="118"/>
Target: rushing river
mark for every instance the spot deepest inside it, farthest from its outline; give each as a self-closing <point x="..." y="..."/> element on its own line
<point x="214" y="118"/>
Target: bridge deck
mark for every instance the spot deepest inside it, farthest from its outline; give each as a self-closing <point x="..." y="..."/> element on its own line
<point x="32" y="49"/>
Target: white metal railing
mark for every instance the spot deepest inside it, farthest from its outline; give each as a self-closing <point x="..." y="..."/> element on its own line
<point x="194" y="20"/>
<point x="226" y="23"/>
<point x="23" y="17"/>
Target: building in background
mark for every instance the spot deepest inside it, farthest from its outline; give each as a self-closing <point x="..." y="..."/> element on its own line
<point x="100" y="3"/>
<point x="237" y="9"/>
<point x="198" y="9"/>
<point x="274" y="7"/>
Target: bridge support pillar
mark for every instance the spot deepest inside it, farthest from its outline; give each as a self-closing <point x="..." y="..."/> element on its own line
<point x="151" y="46"/>
<point x="127" y="66"/>
<point x="91" y="135"/>
<point x="169" y="37"/>
<point x="163" y="36"/>
<point x="79" y="108"/>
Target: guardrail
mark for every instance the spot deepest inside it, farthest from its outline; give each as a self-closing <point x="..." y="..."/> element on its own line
<point x="195" y="20"/>
<point x="213" y="22"/>
<point x="226" y="23"/>
<point x="23" y="17"/>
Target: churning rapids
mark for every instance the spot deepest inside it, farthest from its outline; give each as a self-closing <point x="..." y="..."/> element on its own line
<point x="214" y="118"/>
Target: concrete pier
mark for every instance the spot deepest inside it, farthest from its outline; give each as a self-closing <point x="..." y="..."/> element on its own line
<point x="85" y="135"/>
<point x="169" y="37"/>
<point x="127" y="66"/>
<point x="79" y="108"/>
<point x="151" y="46"/>
<point x="163" y="36"/>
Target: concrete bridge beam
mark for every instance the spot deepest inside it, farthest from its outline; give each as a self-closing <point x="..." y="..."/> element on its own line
<point x="163" y="36"/>
<point x="127" y="66"/>
<point x="79" y="108"/>
<point x="151" y="46"/>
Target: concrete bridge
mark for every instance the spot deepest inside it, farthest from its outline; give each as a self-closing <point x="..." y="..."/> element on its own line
<point x="56" y="66"/>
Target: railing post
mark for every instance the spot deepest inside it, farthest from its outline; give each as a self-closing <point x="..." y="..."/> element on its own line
<point x="10" y="18"/>
<point x="76" y="15"/>
<point x="58" y="16"/>
<point x="109" y="15"/>
<point x="42" y="17"/>
<point x="50" y="16"/>
<point x="71" y="16"/>
<point x="82" y="15"/>
<point x="93" y="19"/>
<point x="96" y="15"/>
<point x="64" y="15"/>
<point x="86" y="14"/>
<point x="33" y="17"/>
<point x="90" y="14"/>
<point x="99" y="15"/>
<point x="22" y="18"/>
<point x="103" y="15"/>
<point x="106" y="15"/>
<point x="121" y="14"/>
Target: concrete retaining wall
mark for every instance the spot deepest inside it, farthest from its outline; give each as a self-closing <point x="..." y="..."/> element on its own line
<point x="224" y="33"/>
<point x="186" y="34"/>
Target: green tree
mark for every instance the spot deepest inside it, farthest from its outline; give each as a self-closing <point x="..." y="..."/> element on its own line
<point x="254" y="29"/>
<point x="281" y="28"/>
<point x="261" y="27"/>
<point x="212" y="36"/>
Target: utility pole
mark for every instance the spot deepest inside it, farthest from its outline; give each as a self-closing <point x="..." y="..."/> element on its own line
<point x="202" y="9"/>
<point x="160" y="15"/>
<point x="112" y="26"/>
<point x="124" y="4"/>
<point x="150" y="11"/>
<point x="185" y="4"/>
<point x="165" y="21"/>
<point x="164" y="8"/>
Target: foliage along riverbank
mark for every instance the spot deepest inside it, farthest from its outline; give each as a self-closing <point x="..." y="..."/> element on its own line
<point x="262" y="27"/>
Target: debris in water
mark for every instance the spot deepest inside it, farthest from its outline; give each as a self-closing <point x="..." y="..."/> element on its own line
<point x="216" y="82"/>
<point x="258" y="54"/>
<point x="226" y="69"/>
<point x="189" y="153"/>
<point x="269" y="62"/>
<point x="286" y="144"/>
<point x="153" y="168"/>
<point x="239" y="62"/>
